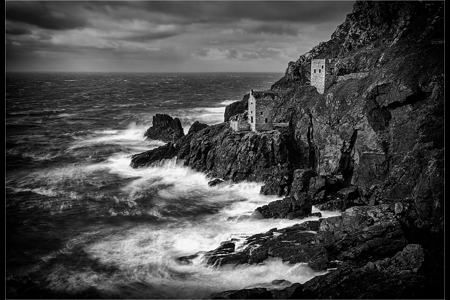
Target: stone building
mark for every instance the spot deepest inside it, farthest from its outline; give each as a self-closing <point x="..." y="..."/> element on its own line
<point x="240" y="122"/>
<point x="259" y="116"/>
<point x="260" y="105"/>
<point x="322" y="73"/>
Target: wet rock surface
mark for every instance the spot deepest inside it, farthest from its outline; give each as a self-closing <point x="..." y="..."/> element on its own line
<point x="358" y="235"/>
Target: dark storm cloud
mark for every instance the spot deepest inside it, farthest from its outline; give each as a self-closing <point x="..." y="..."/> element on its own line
<point x="226" y="11"/>
<point x="43" y="16"/>
<point x="143" y="34"/>
<point x="232" y="53"/>
<point x="201" y="52"/>
<point x="16" y="30"/>
<point x="275" y="29"/>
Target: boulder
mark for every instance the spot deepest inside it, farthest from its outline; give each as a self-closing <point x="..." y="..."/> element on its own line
<point x="289" y="207"/>
<point x="215" y="182"/>
<point x="165" y="128"/>
<point x="301" y="180"/>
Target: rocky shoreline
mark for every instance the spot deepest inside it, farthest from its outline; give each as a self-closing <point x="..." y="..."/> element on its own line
<point x="370" y="146"/>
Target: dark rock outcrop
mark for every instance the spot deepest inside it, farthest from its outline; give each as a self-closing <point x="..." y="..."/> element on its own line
<point x="298" y="206"/>
<point x="269" y="157"/>
<point x="215" y="182"/>
<point x="235" y="108"/>
<point x="196" y="127"/>
<point x="361" y="234"/>
<point x="396" y="277"/>
<point x="291" y="292"/>
<point x="165" y="128"/>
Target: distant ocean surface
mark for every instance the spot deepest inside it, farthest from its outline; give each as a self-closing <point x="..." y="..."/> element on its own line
<point x="81" y="223"/>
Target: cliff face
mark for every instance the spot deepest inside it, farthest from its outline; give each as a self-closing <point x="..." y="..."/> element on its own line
<point x="395" y="109"/>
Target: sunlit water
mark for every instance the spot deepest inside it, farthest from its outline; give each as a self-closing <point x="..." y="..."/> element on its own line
<point x="79" y="218"/>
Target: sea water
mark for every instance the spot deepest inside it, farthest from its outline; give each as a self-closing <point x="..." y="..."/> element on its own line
<point x="80" y="222"/>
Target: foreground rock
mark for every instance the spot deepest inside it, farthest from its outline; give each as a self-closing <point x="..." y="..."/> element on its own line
<point x="297" y="206"/>
<point x="357" y="236"/>
<point x="396" y="277"/>
<point x="165" y="128"/>
<point x="217" y="150"/>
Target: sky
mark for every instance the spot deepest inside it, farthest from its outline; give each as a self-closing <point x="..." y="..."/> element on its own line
<point x="165" y="36"/>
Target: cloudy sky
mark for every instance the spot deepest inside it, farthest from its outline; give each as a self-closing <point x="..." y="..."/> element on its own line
<point x="169" y="36"/>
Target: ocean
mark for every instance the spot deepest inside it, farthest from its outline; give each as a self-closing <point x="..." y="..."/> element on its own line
<point x="81" y="223"/>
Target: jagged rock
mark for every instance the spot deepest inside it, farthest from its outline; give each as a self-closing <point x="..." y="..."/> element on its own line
<point x="358" y="235"/>
<point x="316" y="184"/>
<point x="323" y="186"/>
<point x="316" y="214"/>
<point x="335" y="204"/>
<point x="186" y="260"/>
<point x="215" y="182"/>
<point x="213" y="257"/>
<point x="147" y="158"/>
<point x="196" y="126"/>
<point x="350" y="193"/>
<point x="342" y="199"/>
<point x="165" y="129"/>
<point x="300" y="183"/>
<point x="292" y="292"/>
<point x="255" y="293"/>
<point x="395" y="277"/>
<point x="235" y="108"/>
<point x="289" y="207"/>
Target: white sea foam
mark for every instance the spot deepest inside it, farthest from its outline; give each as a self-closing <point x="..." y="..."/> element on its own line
<point x="204" y="217"/>
<point x="147" y="253"/>
<point x="132" y="137"/>
<point x="228" y="102"/>
<point x="65" y="115"/>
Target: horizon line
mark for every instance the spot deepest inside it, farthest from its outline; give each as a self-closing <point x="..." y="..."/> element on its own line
<point x="144" y="72"/>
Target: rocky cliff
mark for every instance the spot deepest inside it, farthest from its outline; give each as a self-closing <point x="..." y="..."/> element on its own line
<point x="378" y="129"/>
<point x="371" y="145"/>
<point x="385" y="128"/>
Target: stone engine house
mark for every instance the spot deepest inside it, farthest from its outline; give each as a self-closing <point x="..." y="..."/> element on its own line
<point x="260" y="105"/>
<point x="323" y="73"/>
<point x="258" y="117"/>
